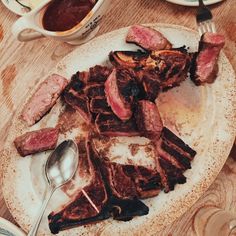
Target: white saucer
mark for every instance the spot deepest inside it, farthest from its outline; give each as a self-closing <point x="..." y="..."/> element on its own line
<point x="9" y="229"/>
<point x="15" y="7"/>
<point x="193" y="3"/>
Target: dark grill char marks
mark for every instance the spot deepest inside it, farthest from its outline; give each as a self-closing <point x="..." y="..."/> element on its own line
<point x="148" y="120"/>
<point x="205" y="63"/>
<point x="151" y="84"/>
<point x="36" y="141"/>
<point x="129" y="59"/>
<point x="94" y="89"/>
<point x="110" y="125"/>
<point x="173" y="156"/>
<point x="99" y="105"/>
<point x="79" y="103"/>
<point x="147" y="38"/>
<point x="172" y="66"/>
<point x="164" y="68"/>
<point x="114" y="89"/>
<point x="80" y="211"/>
<point x="98" y="74"/>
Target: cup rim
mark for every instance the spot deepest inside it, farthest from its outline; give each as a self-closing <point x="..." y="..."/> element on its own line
<point x="71" y="31"/>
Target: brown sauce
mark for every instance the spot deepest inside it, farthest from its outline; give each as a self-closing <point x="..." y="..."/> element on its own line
<point x="62" y="15"/>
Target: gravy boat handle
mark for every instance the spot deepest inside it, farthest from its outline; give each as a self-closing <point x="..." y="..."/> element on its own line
<point x="20" y="26"/>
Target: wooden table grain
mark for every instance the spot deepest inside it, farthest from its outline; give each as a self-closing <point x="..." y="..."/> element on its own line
<point x="23" y="64"/>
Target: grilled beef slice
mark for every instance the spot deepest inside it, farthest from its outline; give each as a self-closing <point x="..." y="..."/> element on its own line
<point x="205" y="63"/>
<point x="147" y="38"/>
<point x="115" y="87"/>
<point x="44" y="98"/>
<point x="36" y="141"/>
<point x="148" y="119"/>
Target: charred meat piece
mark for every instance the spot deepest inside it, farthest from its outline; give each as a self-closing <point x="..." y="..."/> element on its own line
<point x="44" y="98"/>
<point x="36" y="141"/>
<point x="129" y="59"/>
<point x="151" y="85"/>
<point x="98" y="73"/>
<point x="173" y="157"/>
<point x="80" y="211"/>
<point x="148" y="119"/>
<point x="166" y="68"/>
<point x="94" y="89"/>
<point x="101" y="204"/>
<point x="147" y="181"/>
<point x="79" y="103"/>
<point x="118" y="100"/>
<point x="110" y="125"/>
<point x="147" y="38"/>
<point x="205" y="64"/>
<point x="171" y="66"/>
<point x="99" y="105"/>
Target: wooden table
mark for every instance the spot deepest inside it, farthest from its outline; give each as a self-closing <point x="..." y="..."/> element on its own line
<point x="19" y="60"/>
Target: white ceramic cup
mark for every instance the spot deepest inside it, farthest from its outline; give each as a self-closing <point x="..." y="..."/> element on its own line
<point x="81" y="33"/>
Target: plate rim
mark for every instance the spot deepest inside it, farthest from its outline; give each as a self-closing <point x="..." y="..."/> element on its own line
<point x="193" y="4"/>
<point x="201" y="188"/>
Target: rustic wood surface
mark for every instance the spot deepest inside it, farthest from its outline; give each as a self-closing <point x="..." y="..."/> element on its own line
<point x="23" y="64"/>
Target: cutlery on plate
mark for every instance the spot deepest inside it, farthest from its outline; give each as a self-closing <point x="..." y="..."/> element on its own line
<point x="204" y="19"/>
<point x="59" y="169"/>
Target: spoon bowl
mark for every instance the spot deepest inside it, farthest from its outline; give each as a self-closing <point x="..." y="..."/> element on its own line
<point x="62" y="164"/>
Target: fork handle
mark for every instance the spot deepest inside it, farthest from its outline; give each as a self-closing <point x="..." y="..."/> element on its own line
<point x="201" y="3"/>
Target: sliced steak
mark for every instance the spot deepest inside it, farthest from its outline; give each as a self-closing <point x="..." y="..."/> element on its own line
<point x="80" y="210"/>
<point x="119" y="104"/>
<point x="36" y="141"/>
<point x="99" y="105"/>
<point x="147" y="38"/>
<point x="44" y="98"/>
<point x="79" y="103"/>
<point x="205" y="63"/>
<point x="110" y="125"/>
<point x="98" y="73"/>
<point x="148" y="119"/>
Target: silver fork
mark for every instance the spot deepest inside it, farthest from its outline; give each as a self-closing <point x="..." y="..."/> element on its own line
<point x="204" y="19"/>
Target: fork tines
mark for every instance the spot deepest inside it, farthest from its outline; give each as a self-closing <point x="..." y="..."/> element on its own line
<point x="205" y="20"/>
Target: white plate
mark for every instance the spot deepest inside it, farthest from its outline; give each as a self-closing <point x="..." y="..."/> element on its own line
<point x="202" y="116"/>
<point x="193" y="3"/>
<point x="15" y="7"/>
<point x="9" y="229"/>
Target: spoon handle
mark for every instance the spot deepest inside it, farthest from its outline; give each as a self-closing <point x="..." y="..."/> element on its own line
<point x="34" y="229"/>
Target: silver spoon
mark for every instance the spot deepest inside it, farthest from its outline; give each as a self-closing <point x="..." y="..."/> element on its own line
<point x="59" y="169"/>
